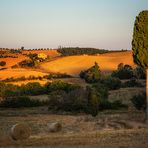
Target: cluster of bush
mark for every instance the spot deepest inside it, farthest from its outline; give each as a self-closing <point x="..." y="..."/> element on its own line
<point x="47" y="77"/>
<point x="21" y="101"/>
<point x="127" y="72"/>
<point x="112" y="82"/>
<point x="7" y="56"/>
<point x="68" y="51"/>
<point x="34" y="88"/>
<point x="34" y="60"/>
<point x="93" y="75"/>
<point x="139" y="101"/>
<point x="90" y="100"/>
<point x="62" y="97"/>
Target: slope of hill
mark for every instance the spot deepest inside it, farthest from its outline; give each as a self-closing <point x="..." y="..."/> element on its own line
<point x="74" y="64"/>
<point x="19" y="72"/>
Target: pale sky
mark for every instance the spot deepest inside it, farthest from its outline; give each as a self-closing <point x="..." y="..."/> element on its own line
<point x="105" y="24"/>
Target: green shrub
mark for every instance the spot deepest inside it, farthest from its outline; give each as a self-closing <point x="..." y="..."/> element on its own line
<point x="93" y="102"/>
<point x="132" y="83"/>
<point x="60" y="85"/>
<point x="140" y="73"/>
<point x="34" y="88"/>
<point x="111" y="83"/>
<point x="91" y="75"/>
<point x="139" y="101"/>
<point x="21" y="101"/>
<point x="101" y="89"/>
<point x="9" y="90"/>
<point x="123" y="72"/>
<point x="73" y="101"/>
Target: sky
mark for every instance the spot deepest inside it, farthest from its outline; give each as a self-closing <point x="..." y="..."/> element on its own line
<point x="104" y="24"/>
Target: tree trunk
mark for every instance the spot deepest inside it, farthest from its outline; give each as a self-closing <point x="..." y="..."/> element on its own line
<point x="146" y="95"/>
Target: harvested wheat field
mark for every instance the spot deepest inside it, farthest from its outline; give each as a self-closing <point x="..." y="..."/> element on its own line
<point x="20" y="72"/>
<point x="74" y="64"/>
<point x="109" y="129"/>
<point x="13" y="61"/>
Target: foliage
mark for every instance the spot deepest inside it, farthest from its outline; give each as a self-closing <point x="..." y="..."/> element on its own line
<point x="26" y="63"/>
<point x="123" y="72"/>
<point x="73" y="101"/>
<point x="139" y="73"/>
<point x="132" y="83"/>
<point x="111" y="83"/>
<point x="34" y="88"/>
<point x="60" y="85"/>
<point x="140" y="40"/>
<point x="67" y="51"/>
<point x="139" y="101"/>
<point x="101" y="89"/>
<point x="2" y="63"/>
<point x="93" y="101"/>
<point x="91" y="75"/>
<point x="20" y="101"/>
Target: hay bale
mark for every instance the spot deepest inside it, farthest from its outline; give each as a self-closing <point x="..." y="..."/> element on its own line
<point x="20" y="131"/>
<point x="54" y="127"/>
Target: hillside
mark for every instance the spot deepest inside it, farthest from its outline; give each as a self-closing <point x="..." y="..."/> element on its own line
<point x="74" y="64"/>
<point x="12" y="58"/>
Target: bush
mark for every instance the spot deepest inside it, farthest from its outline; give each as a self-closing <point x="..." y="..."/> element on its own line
<point x="34" y="88"/>
<point x="9" y="90"/>
<point x="140" y="73"/>
<point x="60" y="85"/>
<point x="93" y="102"/>
<point x="132" y="83"/>
<point x="91" y="75"/>
<point x="2" y="63"/>
<point x="111" y="83"/>
<point x="21" y="101"/>
<point x="123" y="72"/>
<point x="139" y="101"/>
<point x="101" y="89"/>
<point x="26" y="63"/>
<point x="73" y="101"/>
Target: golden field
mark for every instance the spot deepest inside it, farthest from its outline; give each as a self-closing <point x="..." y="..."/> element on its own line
<point x="70" y="64"/>
<point x="74" y="64"/>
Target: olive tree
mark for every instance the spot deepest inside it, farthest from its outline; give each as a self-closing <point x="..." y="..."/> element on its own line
<point x="140" y="46"/>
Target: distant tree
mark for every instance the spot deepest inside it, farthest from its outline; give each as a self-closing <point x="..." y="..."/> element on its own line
<point x="2" y="63"/>
<point x="140" y="46"/>
<point x="22" y="48"/>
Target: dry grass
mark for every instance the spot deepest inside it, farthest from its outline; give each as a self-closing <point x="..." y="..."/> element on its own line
<point x="78" y="130"/>
<point x="125" y="94"/>
<point x="19" y="72"/>
<point x="13" y="61"/>
<point x="74" y="64"/>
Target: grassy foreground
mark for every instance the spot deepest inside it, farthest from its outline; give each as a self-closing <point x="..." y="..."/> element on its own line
<point x="109" y="129"/>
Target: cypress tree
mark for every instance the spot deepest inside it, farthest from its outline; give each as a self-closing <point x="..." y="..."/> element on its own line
<point x="140" y="46"/>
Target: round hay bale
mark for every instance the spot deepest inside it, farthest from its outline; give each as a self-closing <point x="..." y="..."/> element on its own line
<point x="20" y="131"/>
<point x="54" y="127"/>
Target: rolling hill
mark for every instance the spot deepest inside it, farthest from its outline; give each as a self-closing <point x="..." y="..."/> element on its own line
<point x="74" y="64"/>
